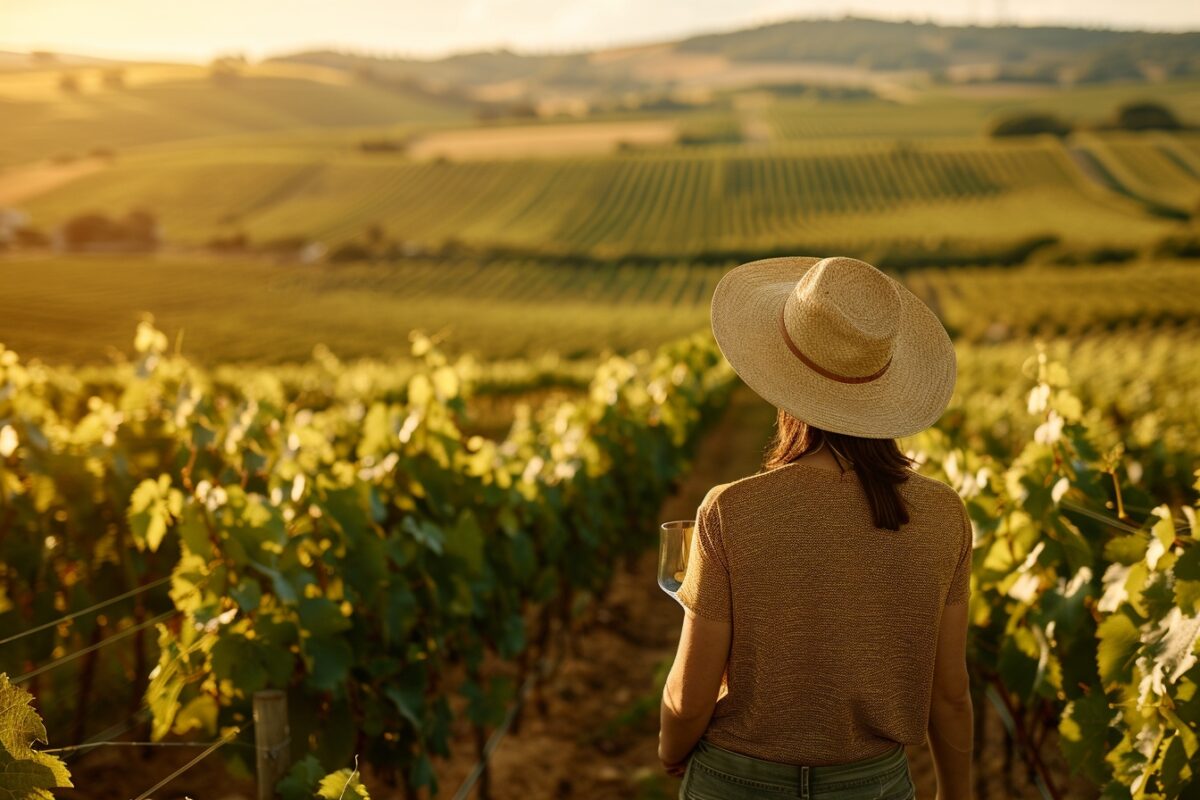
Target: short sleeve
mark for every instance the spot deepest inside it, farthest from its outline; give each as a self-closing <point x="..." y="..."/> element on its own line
<point x="960" y="582"/>
<point x="705" y="589"/>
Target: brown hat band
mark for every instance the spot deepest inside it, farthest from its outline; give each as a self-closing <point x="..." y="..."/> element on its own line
<point x="817" y="368"/>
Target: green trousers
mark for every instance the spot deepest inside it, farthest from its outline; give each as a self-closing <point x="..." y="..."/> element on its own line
<point x="714" y="773"/>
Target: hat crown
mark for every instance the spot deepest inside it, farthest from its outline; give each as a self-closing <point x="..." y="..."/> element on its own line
<point x="844" y="315"/>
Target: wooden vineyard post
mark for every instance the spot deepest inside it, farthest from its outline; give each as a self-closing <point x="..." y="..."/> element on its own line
<point x="271" y="739"/>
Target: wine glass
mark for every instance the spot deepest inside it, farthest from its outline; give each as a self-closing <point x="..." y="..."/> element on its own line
<point x="674" y="542"/>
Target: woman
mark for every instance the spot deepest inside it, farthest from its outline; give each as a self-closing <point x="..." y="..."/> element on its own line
<point x="826" y="596"/>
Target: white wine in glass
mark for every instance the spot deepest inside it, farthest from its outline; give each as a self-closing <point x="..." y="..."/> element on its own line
<point x="674" y="543"/>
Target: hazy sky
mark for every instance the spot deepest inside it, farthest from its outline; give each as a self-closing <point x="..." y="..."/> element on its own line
<point x="198" y="29"/>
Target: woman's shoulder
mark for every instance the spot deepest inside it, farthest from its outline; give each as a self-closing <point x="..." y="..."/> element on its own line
<point x="713" y="495"/>
<point x="933" y="492"/>
<point x="740" y="488"/>
<point x="924" y="490"/>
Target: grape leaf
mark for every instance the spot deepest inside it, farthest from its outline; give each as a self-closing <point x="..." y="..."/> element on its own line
<point x="193" y="532"/>
<point x="1084" y="728"/>
<point x="399" y="613"/>
<point x="200" y="712"/>
<point x="1159" y="595"/>
<point x="236" y="658"/>
<point x="320" y="616"/>
<point x="512" y="635"/>
<point x="1177" y="772"/>
<point x="349" y="508"/>
<point x="425" y="532"/>
<point x="1164" y="529"/>
<point x="423" y="775"/>
<point x="1119" y="643"/>
<point x="1077" y="550"/>
<point x="1126" y="550"/>
<point x="27" y="774"/>
<point x="301" y="780"/>
<point x="331" y="661"/>
<point x="246" y="594"/>
<point x="1187" y="567"/>
<point x="1187" y="596"/>
<point x="1169" y="649"/>
<point x="465" y="541"/>
<point x="151" y="508"/>
<point x="342" y="785"/>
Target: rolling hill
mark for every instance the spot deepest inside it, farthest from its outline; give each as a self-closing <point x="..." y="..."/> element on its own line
<point x="58" y="112"/>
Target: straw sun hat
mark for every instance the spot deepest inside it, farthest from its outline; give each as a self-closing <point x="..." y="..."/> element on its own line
<point x="836" y="343"/>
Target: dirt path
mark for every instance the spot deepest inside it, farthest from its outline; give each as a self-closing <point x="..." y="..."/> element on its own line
<point x="599" y="736"/>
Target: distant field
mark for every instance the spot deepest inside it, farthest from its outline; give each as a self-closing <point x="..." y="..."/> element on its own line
<point x="967" y="110"/>
<point x="806" y="119"/>
<point x="1161" y="169"/>
<point x="670" y="203"/>
<point x="276" y="154"/>
<point x="550" y="141"/>
<point x="77" y="309"/>
<point x="981" y="304"/>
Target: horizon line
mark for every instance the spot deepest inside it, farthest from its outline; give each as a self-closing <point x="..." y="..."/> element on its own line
<point x="533" y="52"/>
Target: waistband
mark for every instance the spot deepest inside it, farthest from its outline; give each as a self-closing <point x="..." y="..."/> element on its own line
<point x="797" y="776"/>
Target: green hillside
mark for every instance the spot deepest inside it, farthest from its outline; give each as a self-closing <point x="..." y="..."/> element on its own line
<point x="880" y="44"/>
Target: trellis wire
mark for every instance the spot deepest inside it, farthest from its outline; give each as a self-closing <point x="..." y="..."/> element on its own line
<point x="109" y="734"/>
<point x="79" y="653"/>
<point x="74" y="615"/>
<point x="213" y="746"/>
<point x="113" y="731"/>
<point x="75" y="747"/>
<point x="1112" y="521"/>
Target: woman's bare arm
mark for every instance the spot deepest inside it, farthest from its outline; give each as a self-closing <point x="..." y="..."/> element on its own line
<point x="951" y="717"/>
<point x="690" y="694"/>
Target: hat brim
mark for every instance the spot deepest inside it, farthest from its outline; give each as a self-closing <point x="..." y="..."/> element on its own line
<point x="908" y="398"/>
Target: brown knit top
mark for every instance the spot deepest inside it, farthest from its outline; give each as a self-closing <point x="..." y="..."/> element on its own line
<point x="834" y="621"/>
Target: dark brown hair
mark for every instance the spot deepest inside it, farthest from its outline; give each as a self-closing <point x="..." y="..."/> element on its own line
<point x="879" y="463"/>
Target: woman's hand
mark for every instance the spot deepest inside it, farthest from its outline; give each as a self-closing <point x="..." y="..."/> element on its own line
<point x="675" y="770"/>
